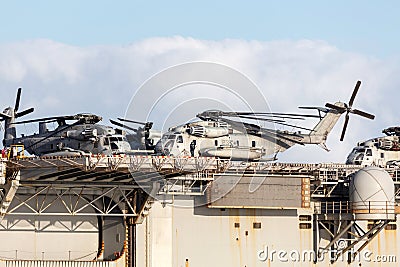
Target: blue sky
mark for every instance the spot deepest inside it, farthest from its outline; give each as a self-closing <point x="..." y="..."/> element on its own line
<point x="93" y="56"/>
<point x="364" y="26"/>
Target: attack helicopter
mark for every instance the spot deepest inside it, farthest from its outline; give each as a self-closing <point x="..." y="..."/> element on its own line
<point x="143" y="138"/>
<point x="84" y="136"/>
<point x="216" y="134"/>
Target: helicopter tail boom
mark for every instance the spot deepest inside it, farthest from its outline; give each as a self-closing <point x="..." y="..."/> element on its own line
<point x="320" y="132"/>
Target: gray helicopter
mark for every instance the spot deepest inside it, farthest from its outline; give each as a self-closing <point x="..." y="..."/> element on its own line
<point x="84" y="136"/>
<point x="216" y="134"/>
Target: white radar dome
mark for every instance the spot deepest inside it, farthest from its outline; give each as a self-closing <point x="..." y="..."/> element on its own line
<point x="372" y="194"/>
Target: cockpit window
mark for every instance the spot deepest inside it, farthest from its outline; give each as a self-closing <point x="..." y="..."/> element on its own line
<point x="116" y="139"/>
<point x="114" y="146"/>
<point x="359" y="157"/>
<point x="172" y="136"/>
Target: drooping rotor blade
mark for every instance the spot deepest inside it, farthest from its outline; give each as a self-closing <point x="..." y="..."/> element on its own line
<point x="258" y="118"/>
<point x="281" y="136"/>
<point x="280" y="122"/>
<point x="346" y="121"/>
<point x="122" y="125"/>
<point x="33" y="120"/>
<point x="25" y="112"/>
<point x="364" y="114"/>
<point x="267" y="114"/>
<point x="294" y="126"/>
<point x="294" y="115"/>
<point x="253" y="129"/>
<point x="331" y="106"/>
<point x="354" y="93"/>
<point x="131" y="121"/>
<point x="270" y="116"/>
<point x="16" y="107"/>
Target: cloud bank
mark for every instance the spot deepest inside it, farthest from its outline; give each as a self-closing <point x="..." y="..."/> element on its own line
<point x="61" y="79"/>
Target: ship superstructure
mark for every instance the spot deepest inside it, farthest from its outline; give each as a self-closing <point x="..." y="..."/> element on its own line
<point x="194" y="211"/>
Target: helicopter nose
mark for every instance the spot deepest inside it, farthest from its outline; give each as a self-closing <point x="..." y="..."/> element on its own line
<point x="159" y="148"/>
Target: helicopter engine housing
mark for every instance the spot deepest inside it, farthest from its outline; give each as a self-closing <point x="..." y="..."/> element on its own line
<point x="210" y="132"/>
<point x="87" y="134"/>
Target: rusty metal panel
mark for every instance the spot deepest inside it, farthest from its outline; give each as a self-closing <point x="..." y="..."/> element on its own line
<point x="272" y="191"/>
<point x="305" y="193"/>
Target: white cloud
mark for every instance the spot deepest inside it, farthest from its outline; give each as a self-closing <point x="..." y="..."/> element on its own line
<point x="63" y="79"/>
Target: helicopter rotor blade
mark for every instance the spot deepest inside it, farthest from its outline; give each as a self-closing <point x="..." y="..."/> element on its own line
<point x="279" y="136"/>
<point x="4" y="116"/>
<point x="266" y="114"/>
<point x="322" y="109"/>
<point x="253" y="129"/>
<point x="348" y="109"/>
<point x="294" y="126"/>
<point x="17" y="100"/>
<point x="46" y="119"/>
<point x="273" y="117"/>
<point x="293" y="115"/>
<point x="331" y="106"/>
<point x="258" y="118"/>
<point x="33" y="120"/>
<point x="363" y="114"/>
<point x="280" y="122"/>
<point x="25" y="112"/>
<point x="346" y="121"/>
<point x="122" y="125"/>
<point x="353" y="95"/>
<point x="131" y="121"/>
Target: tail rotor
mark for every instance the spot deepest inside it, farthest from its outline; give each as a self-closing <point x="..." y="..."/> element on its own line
<point x="348" y="108"/>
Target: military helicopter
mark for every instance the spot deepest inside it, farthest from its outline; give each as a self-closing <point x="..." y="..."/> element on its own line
<point x="379" y="151"/>
<point x="80" y="137"/>
<point x="216" y="134"/>
<point x="143" y="138"/>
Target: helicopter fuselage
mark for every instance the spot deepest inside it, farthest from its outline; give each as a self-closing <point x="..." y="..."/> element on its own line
<point x="380" y="151"/>
<point x="87" y="138"/>
<point x="213" y="139"/>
